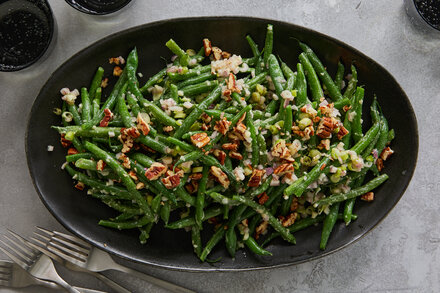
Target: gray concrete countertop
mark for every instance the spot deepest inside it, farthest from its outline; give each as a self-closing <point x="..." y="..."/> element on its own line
<point x="402" y="254"/>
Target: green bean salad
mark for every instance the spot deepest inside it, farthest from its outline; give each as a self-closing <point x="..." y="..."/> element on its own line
<point x="249" y="148"/>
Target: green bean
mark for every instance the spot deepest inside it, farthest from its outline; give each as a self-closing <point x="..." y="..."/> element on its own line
<point x="203" y="87"/>
<point x="312" y="78"/>
<point x="109" y="103"/>
<point x="95" y="132"/>
<point x="75" y="115"/>
<point x="217" y="114"/>
<point x="185" y="196"/>
<point x="339" y="75"/>
<point x="211" y="161"/>
<point x="252" y="83"/>
<point x="288" y="120"/>
<point x="153" y="144"/>
<point x="73" y="158"/>
<point x="272" y="107"/>
<point x="218" y="235"/>
<point x="269" y="121"/>
<point x="341" y="103"/>
<point x="96" y="82"/>
<point x="255" y="248"/>
<point x="155" y="203"/>
<point x="153" y="80"/>
<point x="301" y="87"/>
<point x="165" y="212"/>
<point x="268" y="45"/>
<point x="357" y="120"/>
<point x="200" y="200"/>
<point x="145" y="233"/>
<point x="288" y="73"/>
<point x="126" y="225"/>
<point x="352" y="193"/>
<point x="263" y="148"/>
<point x="196" y="240"/>
<point x="122" y="108"/>
<point x="181" y="144"/>
<point x="351" y="87"/>
<point x="277" y="78"/>
<point x="255" y="149"/>
<point x="96" y="102"/>
<point x="142" y="159"/>
<point x="266" y="214"/>
<point x="117" y="205"/>
<point x="285" y="205"/>
<point x="329" y="223"/>
<point x="290" y="83"/>
<point x="174" y="76"/>
<point x="196" y="80"/>
<point x="366" y="139"/>
<point x="125" y="178"/>
<point x="231" y="240"/>
<point x="183" y="57"/>
<point x="131" y="67"/>
<point x="191" y="221"/>
<point x="86" y="110"/>
<point x="86" y="164"/>
<point x="122" y="217"/>
<point x="161" y="116"/>
<point x="333" y="90"/>
<point x="197" y="111"/>
<point x="253" y="46"/>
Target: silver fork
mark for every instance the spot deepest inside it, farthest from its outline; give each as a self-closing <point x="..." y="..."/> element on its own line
<point x="82" y="254"/>
<point x="14" y="276"/>
<point x="72" y="266"/>
<point x="33" y="261"/>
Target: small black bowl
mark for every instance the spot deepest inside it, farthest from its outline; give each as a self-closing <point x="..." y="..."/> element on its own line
<point x="27" y="33"/>
<point x="80" y="213"/>
<point x="98" y="7"/>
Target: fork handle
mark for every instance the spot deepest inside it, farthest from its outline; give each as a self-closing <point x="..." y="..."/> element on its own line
<point x="118" y="288"/>
<point x="153" y="280"/>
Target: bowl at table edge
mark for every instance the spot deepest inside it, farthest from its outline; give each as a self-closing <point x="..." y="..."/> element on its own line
<point x="172" y="249"/>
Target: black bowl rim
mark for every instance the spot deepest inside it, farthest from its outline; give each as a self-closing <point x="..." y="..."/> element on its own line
<point x="52" y="29"/>
<point x="90" y="12"/>
<point x="215" y="269"/>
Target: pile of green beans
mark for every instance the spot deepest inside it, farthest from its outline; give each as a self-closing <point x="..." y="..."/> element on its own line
<point x="245" y="151"/>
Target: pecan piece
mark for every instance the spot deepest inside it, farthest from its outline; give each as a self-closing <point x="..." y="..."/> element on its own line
<point x="133" y="175"/>
<point x="100" y="165"/>
<point x="168" y="128"/>
<point x="195" y="176"/>
<point x="217" y="53"/>
<point x="220" y="176"/>
<point x="235" y="155"/>
<point x="64" y="142"/>
<point x="142" y="123"/>
<point x="108" y="116"/>
<point x="104" y="83"/>
<point x="288" y="220"/>
<point x="125" y="161"/>
<point x="231" y="84"/>
<point x="222" y="125"/>
<point x="230" y="146"/>
<point x="140" y="185"/>
<point x="324" y="144"/>
<point x="172" y="181"/>
<point x="280" y="150"/>
<point x="117" y="71"/>
<point x="262" y="198"/>
<point x="256" y="176"/>
<point x="207" y="46"/>
<point x="369" y="196"/>
<point x="132" y="132"/>
<point x="326" y="127"/>
<point x="294" y="205"/>
<point x="72" y="151"/>
<point x="200" y="139"/>
<point x="220" y="155"/>
<point x="283" y="169"/>
<point x="379" y="164"/>
<point x="206" y="118"/>
<point x="261" y="229"/>
<point x="80" y="185"/>
<point x="386" y="153"/>
<point x="342" y="131"/>
<point x="155" y="171"/>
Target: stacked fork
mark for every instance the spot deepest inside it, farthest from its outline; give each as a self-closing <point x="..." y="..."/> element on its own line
<point x="78" y="255"/>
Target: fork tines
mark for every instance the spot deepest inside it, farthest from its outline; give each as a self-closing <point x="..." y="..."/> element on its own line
<point x="18" y="250"/>
<point x="5" y="273"/>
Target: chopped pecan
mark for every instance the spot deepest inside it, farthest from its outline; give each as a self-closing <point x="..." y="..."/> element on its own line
<point x="207" y="46"/>
<point x="72" y="151"/>
<point x="80" y="185"/>
<point x="133" y="175"/>
<point x="227" y="95"/>
<point x="206" y="118"/>
<point x="195" y="176"/>
<point x="284" y="168"/>
<point x="294" y="205"/>
<point x="342" y="131"/>
<point x="235" y="155"/>
<point x="288" y="220"/>
<point x="205" y="127"/>
<point x="230" y="146"/>
<point x="104" y="83"/>
<point x="231" y="84"/>
<point x="132" y="132"/>
<point x="386" y="153"/>
<point x="226" y="55"/>
<point x="190" y="188"/>
<point x="200" y="139"/>
<point x="280" y="150"/>
<point x="100" y="165"/>
<point x="117" y="71"/>
<point x="326" y="127"/>
<point x="346" y="108"/>
<point x="242" y="118"/>
<point x="142" y="123"/>
<point x="222" y="125"/>
<point x="369" y="196"/>
<point x="262" y="198"/>
<point x="220" y="155"/>
<point x="147" y="149"/>
<point x="217" y="53"/>
<point x="127" y="142"/>
<point x="324" y="144"/>
<point x="125" y="161"/>
<point x="220" y="176"/>
<point x="168" y="128"/>
<point x="64" y="142"/>
<point x="316" y="119"/>
<point x="261" y="229"/>
<point x="327" y="110"/>
<point x="256" y="176"/>
<point x="108" y="116"/>
<point x="379" y="164"/>
<point x="140" y="185"/>
<point x="172" y="181"/>
<point x="116" y="60"/>
<point x="155" y="171"/>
